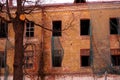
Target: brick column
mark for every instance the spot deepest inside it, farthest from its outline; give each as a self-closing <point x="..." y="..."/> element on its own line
<point x="100" y="42"/>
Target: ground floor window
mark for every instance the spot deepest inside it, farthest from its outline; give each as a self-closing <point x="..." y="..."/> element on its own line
<point x="28" y="59"/>
<point x="85" y="61"/>
<point x="116" y="60"/>
<point x="56" y="58"/>
<point x="85" y="57"/>
<point x="2" y="60"/>
<point x="115" y="57"/>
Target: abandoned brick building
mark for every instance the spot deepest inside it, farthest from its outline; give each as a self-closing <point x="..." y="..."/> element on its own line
<point x="71" y="32"/>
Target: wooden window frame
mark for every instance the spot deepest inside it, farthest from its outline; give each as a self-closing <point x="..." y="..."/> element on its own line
<point x="29" y="29"/>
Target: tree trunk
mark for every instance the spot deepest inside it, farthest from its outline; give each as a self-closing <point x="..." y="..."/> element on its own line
<point x="19" y="50"/>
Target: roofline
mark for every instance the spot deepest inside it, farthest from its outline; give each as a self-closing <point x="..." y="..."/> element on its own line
<point x="74" y="6"/>
<point x="83" y="6"/>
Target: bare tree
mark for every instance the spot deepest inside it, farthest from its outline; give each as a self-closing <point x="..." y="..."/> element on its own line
<point x="18" y="26"/>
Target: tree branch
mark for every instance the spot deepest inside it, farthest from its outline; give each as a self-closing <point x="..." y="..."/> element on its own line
<point x="8" y="10"/>
<point x="69" y="25"/>
<point x="1" y="6"/>
<point x="40" y="25"/>
<point x="29" y="10"/>
<point x="4" y="19"/>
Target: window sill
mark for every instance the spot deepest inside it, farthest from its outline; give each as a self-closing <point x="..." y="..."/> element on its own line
<point x="30" y="40"/>
<point x="85" y="37"/>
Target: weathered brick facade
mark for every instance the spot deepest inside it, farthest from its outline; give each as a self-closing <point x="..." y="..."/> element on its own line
<point x="71" y="40"/>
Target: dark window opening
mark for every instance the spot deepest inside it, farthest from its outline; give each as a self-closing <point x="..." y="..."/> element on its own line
<point x="80" y="1"/>
<point x="2" y="60"/>
<point x="116" y="60"/>
<point x="30" y="29"/>
<point x="28" y="60"/>
<point x="3" y="29"/>
<point x="28" y="66"/>
<point x="113" y="26"/>
<point x="56" y="58"/>
<point x="85" y="25"/>
<point x="56" y="28"/>
<point x="85" y="61"/>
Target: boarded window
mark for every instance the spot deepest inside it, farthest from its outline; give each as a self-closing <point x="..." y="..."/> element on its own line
<point x="30" y="29"/>
<point x="56" y="28"/>
<point x="84" y="27"/>
<point x="113" y="26"/>
<point x="56" y="58"/>
<point x="3" y="29"/>
<point x="28" y="59"/>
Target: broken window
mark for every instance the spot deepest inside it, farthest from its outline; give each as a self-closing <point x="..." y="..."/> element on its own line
<point x="30" y="29"/>
<point x="85" y="58"/>
<point x="2" y="60"/>
<point x="116" y="60"/>
<point x="114" y="26"/>
<point x="56" y="28"/>
<point x="28" y="59"/>
<point x="79" y="1"/>
<point x="56" y="58"/>
<point x="3" y="29"/>
<point x="84" y="26"/>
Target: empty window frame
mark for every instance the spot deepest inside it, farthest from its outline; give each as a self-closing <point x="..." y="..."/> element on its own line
<point x="57" y="28"/>
<point x="79" y="1"/>
<point x="3" y="29"/>
<point x="56" y="58"/>
<point x="114" y="25"/>
<point x="30" y="29"/>
<point x="116" y="60"/>
<point x="2" y="60"/>
<point x="84" y="57"/>
<point x="85" y="61"/>
<point x="84" y="26"/>
<point x="28" y="59"/>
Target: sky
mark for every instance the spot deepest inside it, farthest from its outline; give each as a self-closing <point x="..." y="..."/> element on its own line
<point x="71" y="1"/>
<point x="63" y="1"/>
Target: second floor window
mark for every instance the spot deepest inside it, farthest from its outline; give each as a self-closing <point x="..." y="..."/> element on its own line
<point x="3" y="29"/>
<point x="114" y="26"/>
<point x="56" y="28"/>
<point x="84" y="26"/>
<point x="30" y="29"/>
